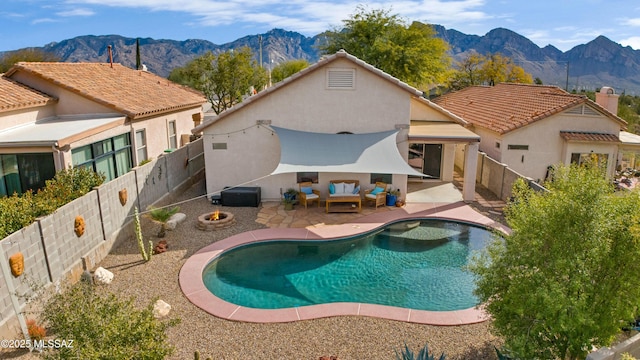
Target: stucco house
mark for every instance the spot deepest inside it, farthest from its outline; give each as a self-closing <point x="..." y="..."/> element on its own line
<point x="340" y="118"/>
<point x="532" y="127"/>
<point x="100" y="115"/>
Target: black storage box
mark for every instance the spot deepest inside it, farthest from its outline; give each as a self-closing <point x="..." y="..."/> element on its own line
<point x="241" y="196"/>
<point x="216" y="199"/>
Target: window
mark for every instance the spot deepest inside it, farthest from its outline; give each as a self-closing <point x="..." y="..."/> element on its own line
<point x="111" y="157"/>
<point x="598" y="159"/>
<point x="385" y="178"/>
<point x="22" y="172"/>
<point x="518" y="147"/>
<point x="141" y="145"/>
<point x="307" y="176"/>
<point x="173" y="137"/>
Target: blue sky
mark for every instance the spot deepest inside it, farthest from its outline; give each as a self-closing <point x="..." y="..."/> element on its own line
<point x="561" y="23"/>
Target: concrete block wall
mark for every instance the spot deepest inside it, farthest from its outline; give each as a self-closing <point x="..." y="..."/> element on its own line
<point x="53" y="251"/>
<point x="151" y="181"/>
<point x="64" y="248"/>
<point x="114" y="214"/>
<point x="28" y="242"/>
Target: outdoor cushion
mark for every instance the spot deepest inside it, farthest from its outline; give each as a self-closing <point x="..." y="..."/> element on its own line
<point x="377" y="190"/>
<point x="332" y="188"/>
<point x="339" y="188"/>
<point x="307" y="190"/>
<point x="349" y="187"/>
<point x="356" y="190"/>
<point x="312" y="196"/>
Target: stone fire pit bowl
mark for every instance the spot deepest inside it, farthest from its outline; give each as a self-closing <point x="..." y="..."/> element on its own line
<point x="225" y="219"/>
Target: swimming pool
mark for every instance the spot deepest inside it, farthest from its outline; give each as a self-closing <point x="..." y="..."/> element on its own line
<point x="414" y="264"/>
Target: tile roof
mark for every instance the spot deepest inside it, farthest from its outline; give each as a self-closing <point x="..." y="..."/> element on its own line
<point x="15" y="96"/>
<point x="135" y="93"/>
<point x="588" y="136"/>
<point x="506" y="107"/>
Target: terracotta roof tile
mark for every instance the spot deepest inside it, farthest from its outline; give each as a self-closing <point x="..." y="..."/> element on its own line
<point x="506" y="107"/>
<point x="588" y="136"/>
<point x="15" y="96"/>
<point x="135" y="93"/>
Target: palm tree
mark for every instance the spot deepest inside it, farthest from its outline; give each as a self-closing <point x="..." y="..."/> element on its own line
<point x="161" y="216"/>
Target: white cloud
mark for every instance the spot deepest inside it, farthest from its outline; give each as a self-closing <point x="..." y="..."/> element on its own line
<point x="76" y="12"/>
<point x="632" y="22"/>
<point x="43" y="20"/>
<point x="633" y="41"/>
<point x="301" y="15"/>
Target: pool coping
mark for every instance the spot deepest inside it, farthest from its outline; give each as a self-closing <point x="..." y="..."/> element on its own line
<point x="192" y="285"/>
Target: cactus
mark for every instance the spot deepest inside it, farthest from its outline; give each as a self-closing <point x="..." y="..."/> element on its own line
<point x="146" y="256"/>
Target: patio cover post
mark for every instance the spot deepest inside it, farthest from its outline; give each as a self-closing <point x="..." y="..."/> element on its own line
<point x="470" y="168"/>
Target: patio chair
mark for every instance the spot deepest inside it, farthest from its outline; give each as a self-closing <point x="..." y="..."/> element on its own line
<point x="308" y="194"/>
<point x="377" y="195"/>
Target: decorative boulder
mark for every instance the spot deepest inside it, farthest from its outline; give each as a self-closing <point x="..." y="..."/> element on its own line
<point x="161" y="309"/>
<point x="174" y="220"/>
<point x="160" y="247"/>
<point x="102" y="276"/>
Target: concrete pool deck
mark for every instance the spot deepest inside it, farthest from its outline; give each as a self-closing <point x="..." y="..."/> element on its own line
<point x="285" y="226"/>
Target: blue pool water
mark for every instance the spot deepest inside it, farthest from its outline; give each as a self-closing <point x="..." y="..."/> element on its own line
<point x="416" y="264"/>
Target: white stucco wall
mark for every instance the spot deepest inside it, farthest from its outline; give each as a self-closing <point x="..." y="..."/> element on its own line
<point x="14" y="118"/>
<point x="305" y="104"/>
<point x="547" y="147"/>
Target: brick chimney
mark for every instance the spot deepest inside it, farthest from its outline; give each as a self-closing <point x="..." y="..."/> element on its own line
<point x="608" y="99"/>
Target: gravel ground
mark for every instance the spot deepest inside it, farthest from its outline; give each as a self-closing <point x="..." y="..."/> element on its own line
<point x="348" y="337"/>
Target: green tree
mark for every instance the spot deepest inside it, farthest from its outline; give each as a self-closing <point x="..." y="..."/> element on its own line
<point x="566" y="277"/>
<point x="224" y="78"/>
<point x="287" y="68"/>
<point x="477" y="69"/>
<point x="29" y="55"/>
<point x="467" y="72"/>
<point x="410" y="53"/>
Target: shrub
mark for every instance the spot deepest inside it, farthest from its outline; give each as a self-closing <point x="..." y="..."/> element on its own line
<point x="423" y="354"/>
<point x="104" y="326"/>
<point x="18" y="211"/>
<point x="66" y="186"/>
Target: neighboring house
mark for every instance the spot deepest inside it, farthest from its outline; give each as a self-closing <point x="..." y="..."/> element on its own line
<point x="340" y="118"/>
<point x="99" y="115"/>
<point x="532" y="127"/>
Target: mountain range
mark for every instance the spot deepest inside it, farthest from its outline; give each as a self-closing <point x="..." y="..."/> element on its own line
<point x="600" y="62"/>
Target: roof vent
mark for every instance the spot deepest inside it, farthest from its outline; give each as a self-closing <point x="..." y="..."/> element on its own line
<point x="341" y="79"/>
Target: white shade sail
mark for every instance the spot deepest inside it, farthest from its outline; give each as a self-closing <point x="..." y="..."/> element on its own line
<point x="302" y="151"/>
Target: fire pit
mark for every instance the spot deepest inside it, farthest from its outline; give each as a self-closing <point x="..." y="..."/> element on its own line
<point x="215" y="220"/>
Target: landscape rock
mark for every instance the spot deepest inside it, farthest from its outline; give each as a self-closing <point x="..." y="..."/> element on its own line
<point x="161" y="247"/>
<point x="161" y="309"/>
<point x="102" y="276"/>
<point x="174" y="220"/>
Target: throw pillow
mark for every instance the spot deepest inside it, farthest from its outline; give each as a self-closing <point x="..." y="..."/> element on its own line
<point x="348" y="188"/>
<point x="377" y="190"/>
<point x="356" y="190"/>
<point x="307" y="190"/>
<point x="332" y="188"/>
<point x="339" y="188"/>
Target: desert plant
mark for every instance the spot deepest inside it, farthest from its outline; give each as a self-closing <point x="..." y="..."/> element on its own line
<point x="146" y="256"/>
<point x="423" y="354"/>
<point x="161" y="216"/>
<point x="104" y="326"/>
<point x="36" y="332"/>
